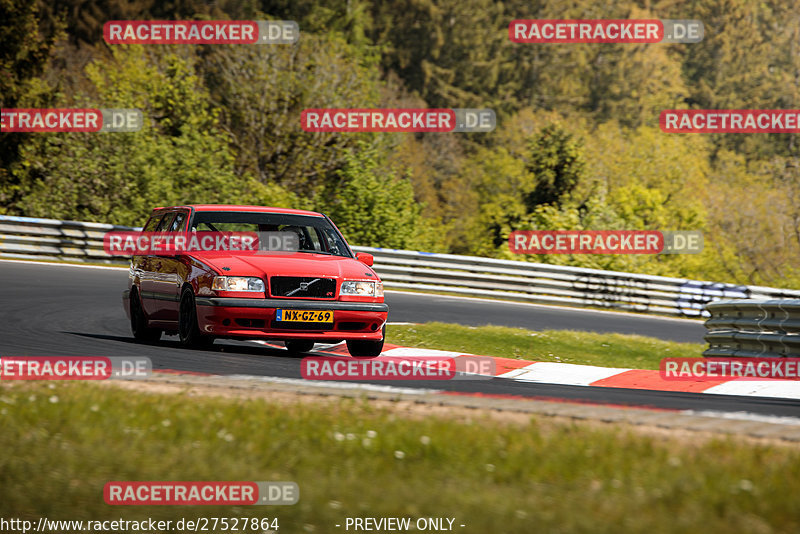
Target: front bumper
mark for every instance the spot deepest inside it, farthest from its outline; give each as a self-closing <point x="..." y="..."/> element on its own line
<point x="255" y="318"/>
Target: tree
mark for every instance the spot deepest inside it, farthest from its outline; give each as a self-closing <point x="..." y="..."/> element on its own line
<point x="653" y="180"/>
<point x="373" y="207"/>
<point x="557" y="165"/>
<point x="25" y="48"/>
<point x="180" y="155"/>
<point x="262" y="91"/>
<point x="756" y="236"/>
<point x="449" y="52"/>
<point x="748" y="59"/>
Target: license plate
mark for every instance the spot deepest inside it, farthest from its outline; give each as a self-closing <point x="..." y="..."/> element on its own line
<point x="304" y="316"/>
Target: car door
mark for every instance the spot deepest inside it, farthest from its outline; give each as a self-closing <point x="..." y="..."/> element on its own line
<point x="158" y="286"/>
<point x="143" y="268"/>
<point x="173" y="270"/>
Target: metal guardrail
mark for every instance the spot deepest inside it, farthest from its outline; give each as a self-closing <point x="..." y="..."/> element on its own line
<point x="557" y="284"/>
<point x="753" y="328"/>
<point x="31" y="238"/>
<point x="50" y="239"/>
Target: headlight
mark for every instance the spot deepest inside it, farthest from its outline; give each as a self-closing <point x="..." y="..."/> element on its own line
<point x="363" y="289"/>
<point x="237" y="283"/>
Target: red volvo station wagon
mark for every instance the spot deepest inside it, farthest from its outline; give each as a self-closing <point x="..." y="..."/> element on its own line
<point x="320" y="292"/>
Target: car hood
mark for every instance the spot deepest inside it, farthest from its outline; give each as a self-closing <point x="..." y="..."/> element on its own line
<point x="299" y="264"/>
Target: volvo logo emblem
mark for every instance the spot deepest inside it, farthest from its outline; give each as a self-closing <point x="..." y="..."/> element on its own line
<point x="303" y="287"/>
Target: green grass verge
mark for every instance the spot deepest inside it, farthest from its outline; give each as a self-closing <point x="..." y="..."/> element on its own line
<point x="563" y="346"/>
<point x="63" y="442"/>
<point x="563" y="306"/>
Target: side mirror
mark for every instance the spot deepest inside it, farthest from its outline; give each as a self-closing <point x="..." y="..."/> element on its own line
<point x="366" y="259"/>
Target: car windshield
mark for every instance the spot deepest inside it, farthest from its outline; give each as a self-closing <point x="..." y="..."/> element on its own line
<point x="316" y="234"/>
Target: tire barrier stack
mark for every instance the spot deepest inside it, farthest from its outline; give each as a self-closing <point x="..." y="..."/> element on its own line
<point x="753" y="328"/>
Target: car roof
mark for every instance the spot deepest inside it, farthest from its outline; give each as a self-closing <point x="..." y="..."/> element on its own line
<point x="234" y="207"/>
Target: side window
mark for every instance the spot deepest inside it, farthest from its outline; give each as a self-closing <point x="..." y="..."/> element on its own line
<point x="179" y="223"/>
<point x="303" y="236"/>
<point x="334" y="244"/>
<point x="313" y="238"/>
<point x="165" y="222"/>
<point x="152" y="223"/>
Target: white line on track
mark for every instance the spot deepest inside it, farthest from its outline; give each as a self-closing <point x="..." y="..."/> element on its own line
<point x="786" y="389"/>
<point x="745" y="416"/>
<point x="335" y="385"/>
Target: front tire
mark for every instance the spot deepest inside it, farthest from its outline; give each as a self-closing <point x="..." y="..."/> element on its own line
<point x="359" y="348"/>
<point x="141" y="332"/>
<point x="188" y="330"/>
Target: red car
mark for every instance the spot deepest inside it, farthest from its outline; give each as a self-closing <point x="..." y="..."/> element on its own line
<point x="321" y="293"/>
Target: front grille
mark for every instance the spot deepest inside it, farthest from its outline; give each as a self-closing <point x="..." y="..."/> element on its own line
<point x="290" y="287"/>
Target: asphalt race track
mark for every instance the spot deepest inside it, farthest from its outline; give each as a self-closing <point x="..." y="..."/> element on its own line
<point x="420" y="308"/>
<point x="50" y="310"/>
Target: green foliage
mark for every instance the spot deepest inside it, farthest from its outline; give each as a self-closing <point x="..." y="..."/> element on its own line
<point x="262" y="91"/>
<point x="486" y="201"/>
<point x="748" y="60"/>
<point x="754" y="216"/>
<point x="25" y="47"/>
<point x="556" y="163"/>
<point x="631" y="180"/>
<point x="577" y="146"/>
<point x="180" y="155"/>
<point x="372" y="207"/>
<point x="448" y="51"/>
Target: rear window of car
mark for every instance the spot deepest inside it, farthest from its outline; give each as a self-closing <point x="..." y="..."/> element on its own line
<point x="165" y="222"/>
<point x="153" y="222"/>
<point x="179" y="223"/>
